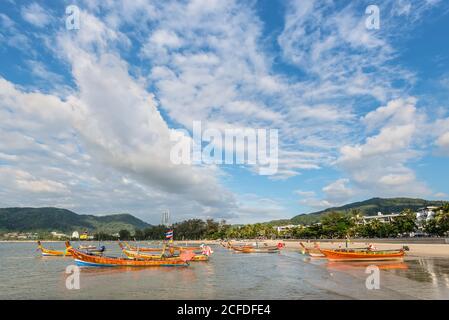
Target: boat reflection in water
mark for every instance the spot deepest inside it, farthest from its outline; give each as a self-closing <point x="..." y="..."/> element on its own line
<point x="355" y="265"/>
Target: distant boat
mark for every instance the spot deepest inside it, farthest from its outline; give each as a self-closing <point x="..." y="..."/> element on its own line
<point x="86" y="259"/>
<point x="52" y="253"/>
<point x="256" y="248"/>
<point x="313" y="252"/>
<point x="93" y="249"/>
<point x="363" y="255"/>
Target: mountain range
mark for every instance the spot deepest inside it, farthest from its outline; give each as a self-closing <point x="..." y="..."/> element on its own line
<point x="368" y="207"/>
<point x="62" y="220"/>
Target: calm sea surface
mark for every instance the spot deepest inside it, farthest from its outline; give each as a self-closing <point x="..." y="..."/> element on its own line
<point x="25" y="274"/>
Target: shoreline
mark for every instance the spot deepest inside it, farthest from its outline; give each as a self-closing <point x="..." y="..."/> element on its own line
<point x="428" y="250"/>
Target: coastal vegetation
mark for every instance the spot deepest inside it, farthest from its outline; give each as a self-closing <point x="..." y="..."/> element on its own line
<point x="334" y="225"/>
<point x="37" y="224"/>
<point x="368" y="208"/>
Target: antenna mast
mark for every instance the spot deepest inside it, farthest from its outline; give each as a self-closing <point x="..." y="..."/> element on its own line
<point x="166" y="218"/>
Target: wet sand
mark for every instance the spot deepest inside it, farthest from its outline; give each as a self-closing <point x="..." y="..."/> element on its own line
<point x="25" y="274"/>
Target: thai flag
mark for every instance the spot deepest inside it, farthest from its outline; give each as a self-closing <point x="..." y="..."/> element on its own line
<point x="169" y="234"/>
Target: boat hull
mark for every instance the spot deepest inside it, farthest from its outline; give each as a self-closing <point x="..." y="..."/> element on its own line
<point x="58" y="254"/>
<point x="52" y="253"/>
<point x="333" y="255"/>
<point x="315" y="254"/>
<point x="136" y="255"/>
<point x="252" y="249"/>
<point x="84" y="259"/>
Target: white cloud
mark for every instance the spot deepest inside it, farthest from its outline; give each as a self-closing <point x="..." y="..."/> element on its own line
<point x="379" y="164"/>
<point x="338" y="191"/>
<point x="197" y="60"/>
<point x="443" y="142"/>
<point x="334" y="194"/>
<point x="24" y="181"/>
<point x="36" y="15"/>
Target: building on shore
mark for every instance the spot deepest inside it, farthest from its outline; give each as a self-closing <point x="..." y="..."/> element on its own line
<point x="385" y="218"/>
<point x="59" y="235"/>
<point x="286" y="228"/>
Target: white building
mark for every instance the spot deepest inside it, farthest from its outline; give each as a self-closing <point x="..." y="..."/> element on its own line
<point x="59" y="235"/>
<point x="75" y="235"/>
<point x="287" y="227"/>
<point x="426" y="214"/>
<point x="385" y="218"/>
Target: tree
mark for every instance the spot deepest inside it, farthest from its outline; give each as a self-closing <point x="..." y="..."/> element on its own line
<point x="139" y="234"/>
<point x="337" y="225"/>
<point x="124" y="234"/>
<point x="102" y="236"/>
<point x="193" y="229"/>
<point x="406" y="222"/>
<point x="212" y="229"/>
<point x="442" y="222"/>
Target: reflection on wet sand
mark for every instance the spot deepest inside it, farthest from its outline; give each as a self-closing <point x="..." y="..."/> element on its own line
<point x="346" y="266"/>
<point x="286" y="275"/>
<point x="434" y="271"/>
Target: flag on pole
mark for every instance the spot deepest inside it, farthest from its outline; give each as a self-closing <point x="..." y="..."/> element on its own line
<point x="169" y="234"/>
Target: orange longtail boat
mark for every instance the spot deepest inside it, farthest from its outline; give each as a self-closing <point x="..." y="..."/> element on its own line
<point x="86" y="259"/>
<point x="52" y="253"/>
<point x="363" y="255"/>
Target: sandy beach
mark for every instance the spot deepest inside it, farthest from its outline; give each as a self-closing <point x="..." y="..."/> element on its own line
<point x="429" y="250"/>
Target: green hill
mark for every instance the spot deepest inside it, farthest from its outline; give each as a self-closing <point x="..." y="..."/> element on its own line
<point x="369" y="207"/>
<point x="62" y="220"/>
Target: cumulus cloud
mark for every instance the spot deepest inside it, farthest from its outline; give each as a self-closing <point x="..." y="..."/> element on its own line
<point x="138" y="69"/>
<point x="333" y="194"/>
<point x="380" y="163"/>
<point x="443" y="142"/>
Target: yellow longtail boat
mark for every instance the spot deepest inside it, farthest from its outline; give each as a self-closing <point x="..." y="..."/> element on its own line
<point x="138" y="255"/>
<point x="52" y="253"/>
<point x="144" y="249"/>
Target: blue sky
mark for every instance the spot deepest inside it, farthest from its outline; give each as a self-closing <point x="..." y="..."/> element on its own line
<point x="86" y="115"/>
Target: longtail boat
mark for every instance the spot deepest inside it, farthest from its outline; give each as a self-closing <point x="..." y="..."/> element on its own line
<point x="257" y="248"/>
<point x="86" y="247"/>
<point x="143" y="249"/>
<point x="363" y="255"/>
<point x="52" y="253"/>
<point x="93" y="249"/>
<point x="86" y="259"/>
<point x="137" y="255"/>
<point x="313" y="252"/>
<point x="260" y="250"/>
